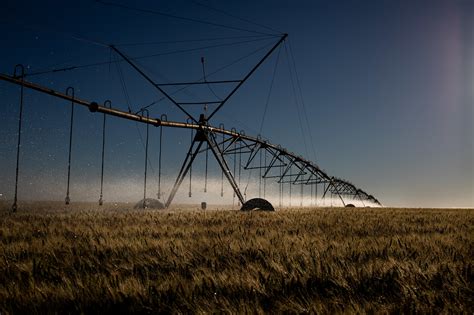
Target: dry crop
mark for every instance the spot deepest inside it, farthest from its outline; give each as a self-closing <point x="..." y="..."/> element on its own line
<point x="85" y="259"/>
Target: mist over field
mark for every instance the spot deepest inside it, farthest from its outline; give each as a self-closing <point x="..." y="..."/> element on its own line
<point x="131" y="191"/>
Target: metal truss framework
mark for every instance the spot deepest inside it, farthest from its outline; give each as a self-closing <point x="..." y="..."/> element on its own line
<point x="279" y="164"/>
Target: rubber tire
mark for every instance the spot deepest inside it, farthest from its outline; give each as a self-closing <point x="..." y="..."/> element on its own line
<point x="150" y="204"/>
<point x="257" y="203"/>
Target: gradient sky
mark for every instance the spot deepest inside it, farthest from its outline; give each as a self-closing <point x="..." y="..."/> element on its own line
<point x="387" y="86"/>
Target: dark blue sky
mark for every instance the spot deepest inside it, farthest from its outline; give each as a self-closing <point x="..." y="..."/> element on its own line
<point x="387" y="87"/>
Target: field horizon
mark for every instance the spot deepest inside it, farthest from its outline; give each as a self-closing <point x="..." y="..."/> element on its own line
<point x="5" y="205"/>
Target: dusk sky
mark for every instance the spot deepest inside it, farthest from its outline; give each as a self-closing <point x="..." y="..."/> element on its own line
<point x="387" y="87"/>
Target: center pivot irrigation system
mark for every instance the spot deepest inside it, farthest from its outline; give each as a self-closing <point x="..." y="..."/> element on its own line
<point x="226" y="146"/>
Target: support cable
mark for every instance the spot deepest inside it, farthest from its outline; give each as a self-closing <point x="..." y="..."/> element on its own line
<point x="235" y="17"/>
<point x="205" y="80"/>
<point x="179" y="17"/>
<point x="172" y="52"/>
<point x="270" y="90"/>
<point x="180" y="51"/>
<point x="129" y="107"/>
<point x="28" y="25"/>
<point x="124" y="87"/>
<point x="209" y="39"/>
<point x="296" y="100"/>
<point x="298" y="83"/>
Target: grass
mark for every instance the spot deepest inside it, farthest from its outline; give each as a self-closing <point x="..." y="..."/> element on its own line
<point x="84" y="259"/>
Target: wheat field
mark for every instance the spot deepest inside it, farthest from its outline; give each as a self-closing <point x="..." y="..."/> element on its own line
<point x="82" y="258"/>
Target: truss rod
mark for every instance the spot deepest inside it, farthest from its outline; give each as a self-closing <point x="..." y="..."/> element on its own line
<point x="223" y="164"/>
<point x="188" y="161"/>
<point x="152" y="83"/>
<point x="248" y="75"/>
<point x="199" y="82"/>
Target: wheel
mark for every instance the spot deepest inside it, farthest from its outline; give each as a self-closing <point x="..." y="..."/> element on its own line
<point x="149" y="203"/>
<point x="257" y="203"/>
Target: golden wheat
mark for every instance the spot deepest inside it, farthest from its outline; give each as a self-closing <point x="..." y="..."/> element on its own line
<point x="89" y="259"/>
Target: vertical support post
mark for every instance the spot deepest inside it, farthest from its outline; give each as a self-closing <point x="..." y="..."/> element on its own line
<point x="264" y="178"/>
<point x="146" y="158"/>
<point x="325" y="189"/>
<point x="316" y="194"/>
<point x="108" y="104"/>
<point x="70" y="90"/>
<point x="20" y="119"/>
<point x="205" y="168"/>
<point x="281" y="185"/>
<point x="289" y="183"/>
<point x="301" y="196"/>
<point x="361" y="200"/>
<point x="240" y="160"/>
<point x="163" y="118"/>
<point x="235" y="164"/>
<point x="260" y="175"/>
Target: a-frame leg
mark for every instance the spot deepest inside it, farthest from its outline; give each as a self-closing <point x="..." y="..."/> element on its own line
<point x="219" y="155"/>
<point x="188" y="161"/>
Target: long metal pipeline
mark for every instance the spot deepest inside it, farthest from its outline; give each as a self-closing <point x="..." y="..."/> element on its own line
<point x="95" y="107"/>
